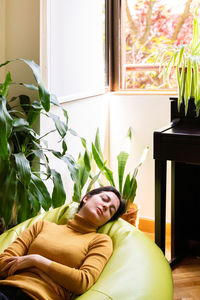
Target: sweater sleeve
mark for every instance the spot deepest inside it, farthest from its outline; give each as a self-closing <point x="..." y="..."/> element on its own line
<point x="21" y="245"/>
<point x="80" y="280"/>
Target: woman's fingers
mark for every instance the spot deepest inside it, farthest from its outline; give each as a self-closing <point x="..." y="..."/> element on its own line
<point x="15" y="263"/>
<point x="7" y="266"/>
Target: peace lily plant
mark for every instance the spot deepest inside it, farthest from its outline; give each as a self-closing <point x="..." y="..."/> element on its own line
<point x="186" y="60"/>
<point x="127" y="183"/>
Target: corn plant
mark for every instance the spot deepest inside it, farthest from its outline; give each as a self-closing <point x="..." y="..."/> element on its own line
<point x="24" y="163"/>
<point x="186" y="60"/>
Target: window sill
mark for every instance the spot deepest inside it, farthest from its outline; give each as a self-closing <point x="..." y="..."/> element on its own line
<point x="146" y="92"/>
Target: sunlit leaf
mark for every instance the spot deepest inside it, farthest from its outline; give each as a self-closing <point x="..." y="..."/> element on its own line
<point x="122" y="160"/>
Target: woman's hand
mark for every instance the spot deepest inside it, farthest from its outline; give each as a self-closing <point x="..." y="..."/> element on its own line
<point x="17" y="263"/>
<point x="37" y="264"/>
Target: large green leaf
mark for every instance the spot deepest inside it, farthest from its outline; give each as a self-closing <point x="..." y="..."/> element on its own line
<point x="64" y="147"/>
<point x="179" y="87"/>
<point x="74" y="133"/>
<point x="34" y="112"/>
<point x="66" y="116"/>
<point x="43" y="93"/>
<point x="23" y="204"/>
<point x="188" y="84"/>
<point x="77" y="193"/>
<point x="5" y="86"/>
<point x="8" y="195"/>
<point x="195" y="37"/>
<point x="54" y="100"/>
<point x="122" y="160"/>
<point x="28" y="86"/>
<point x="25" y="103"/>
<point x="20" y="122"/>
<point x="23" y="168"/>
<point x="60" y="126"/>
<point x="109" y="175"/>
<point x="98" y="144"/>
<point x="133" y="188"/>
<point x="126" y="188"/>
<point x="35" y="204"/>
<point x="72" y="167"/>
<point x="58" y="195"/>
<point x="38" y="189"/>
<point x="87" y="160"/>
<point x="94" y="179"/>
<point x="83" y="173"/>
<point x="97" y="157"/>
<point x="5" y="128"/>
<point x="101" y="164"/>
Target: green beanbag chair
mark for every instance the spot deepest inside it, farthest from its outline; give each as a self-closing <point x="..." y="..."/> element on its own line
<point x="137" y="269"/>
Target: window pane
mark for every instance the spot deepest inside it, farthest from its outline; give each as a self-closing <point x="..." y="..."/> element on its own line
<point x="75" y="47"/>
<point x="148" y="25"/>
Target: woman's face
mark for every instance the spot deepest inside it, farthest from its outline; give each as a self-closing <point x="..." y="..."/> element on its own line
<point x="99" y="208"/>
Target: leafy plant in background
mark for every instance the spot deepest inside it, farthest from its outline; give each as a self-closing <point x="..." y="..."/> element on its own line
<point x="23" y="151"/>
<point x="85" y="178"/>
<point x="127" y="186"/>
<point x="186" y="59"/>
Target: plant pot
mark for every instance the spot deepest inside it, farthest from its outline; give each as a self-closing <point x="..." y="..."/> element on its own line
<point x="180" y="114"/>
<point x="132" y="215"/>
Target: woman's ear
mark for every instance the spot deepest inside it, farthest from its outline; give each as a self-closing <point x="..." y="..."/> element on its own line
<point x="85" y="199"/>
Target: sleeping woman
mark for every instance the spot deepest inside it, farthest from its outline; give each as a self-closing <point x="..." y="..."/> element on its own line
<point x="52" y="262"/>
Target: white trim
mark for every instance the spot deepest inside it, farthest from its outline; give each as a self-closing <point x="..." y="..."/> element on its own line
<point x="43" y="41"/>
<point x="77" y="96"/>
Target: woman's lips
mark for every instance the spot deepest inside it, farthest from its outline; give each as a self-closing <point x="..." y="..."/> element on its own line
<point x="99" y="211"/>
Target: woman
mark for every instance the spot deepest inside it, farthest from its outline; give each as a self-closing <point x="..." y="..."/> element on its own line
<point x="50" y="262"/>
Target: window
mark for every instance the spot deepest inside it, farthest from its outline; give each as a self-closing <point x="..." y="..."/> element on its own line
<point x="75" y="58"/>
<point x="147" y="25"/>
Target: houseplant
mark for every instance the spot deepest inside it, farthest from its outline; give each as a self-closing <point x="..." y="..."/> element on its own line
<point x="186" y="60"/>
<point x="128" y="185"/>
<point x="85" y="175"/>
<point x="24" y="163"/>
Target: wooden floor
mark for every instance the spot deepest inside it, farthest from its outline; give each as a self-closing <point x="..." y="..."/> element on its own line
<point x="186" y="276"/>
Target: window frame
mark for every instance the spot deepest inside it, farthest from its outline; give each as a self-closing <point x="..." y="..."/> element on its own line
<point x="116" y="54"/>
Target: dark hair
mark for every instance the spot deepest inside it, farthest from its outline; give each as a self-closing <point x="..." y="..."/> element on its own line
<point x="122" y="205"/>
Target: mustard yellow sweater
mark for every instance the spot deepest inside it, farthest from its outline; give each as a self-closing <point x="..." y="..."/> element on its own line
<point x="77" y="251"/>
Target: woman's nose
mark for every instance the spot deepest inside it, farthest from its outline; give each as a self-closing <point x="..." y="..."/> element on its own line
<point x="105" y="207"/>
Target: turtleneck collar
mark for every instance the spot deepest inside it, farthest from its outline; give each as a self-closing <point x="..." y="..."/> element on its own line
<point x="78" y="223"/>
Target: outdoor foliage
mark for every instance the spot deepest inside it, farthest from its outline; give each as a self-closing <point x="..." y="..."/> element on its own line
<point x="186" y="59"/>
<point x="24" y="162"/>
<point x="149" y="26"/>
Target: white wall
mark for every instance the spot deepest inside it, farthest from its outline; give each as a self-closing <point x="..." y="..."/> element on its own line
<point x="85" y="116"/>
<point x="145" y="114"/>
<point x="22" y="37"/>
